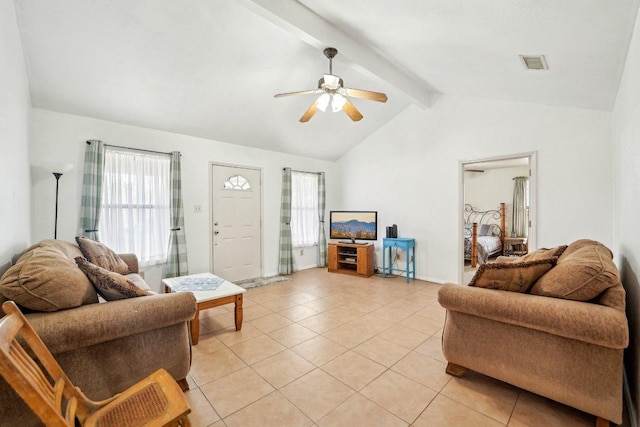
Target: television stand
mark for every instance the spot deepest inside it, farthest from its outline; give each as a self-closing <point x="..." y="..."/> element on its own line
<point x="351" y="258"/>
<point x="351" y="242"/>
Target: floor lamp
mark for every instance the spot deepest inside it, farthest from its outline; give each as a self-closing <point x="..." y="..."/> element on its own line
<point x="58" y="171"/>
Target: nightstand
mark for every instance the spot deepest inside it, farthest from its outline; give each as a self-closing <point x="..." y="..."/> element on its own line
<point x="515" y="246"/>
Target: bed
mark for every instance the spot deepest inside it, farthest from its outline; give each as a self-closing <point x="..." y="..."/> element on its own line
<point x="484" y="233"/>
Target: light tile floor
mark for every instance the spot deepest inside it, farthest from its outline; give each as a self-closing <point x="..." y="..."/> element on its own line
<point x="325" y="349"/>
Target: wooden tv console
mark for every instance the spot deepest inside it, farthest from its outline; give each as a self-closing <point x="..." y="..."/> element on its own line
<point x="351" y="258"/>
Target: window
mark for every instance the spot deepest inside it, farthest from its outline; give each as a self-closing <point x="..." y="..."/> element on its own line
<point x="304" y="209"/>
<point x="135" y="204"/>
<point x="237" y="182"/>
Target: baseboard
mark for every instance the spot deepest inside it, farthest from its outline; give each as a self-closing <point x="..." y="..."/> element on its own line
<point x="307" y="267"/>
<point x="432" y="280"/>
<point x="633" y="417"/>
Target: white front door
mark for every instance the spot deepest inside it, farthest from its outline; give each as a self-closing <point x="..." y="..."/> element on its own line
<point x="237" y="231"/>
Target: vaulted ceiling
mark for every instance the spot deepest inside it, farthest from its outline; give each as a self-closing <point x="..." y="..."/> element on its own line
<point x="210" y="68"/>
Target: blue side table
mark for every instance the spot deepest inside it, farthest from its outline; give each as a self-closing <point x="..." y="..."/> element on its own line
<point x="404" y="244"/>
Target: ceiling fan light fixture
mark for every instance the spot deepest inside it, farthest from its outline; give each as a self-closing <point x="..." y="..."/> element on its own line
<point x="333" y="92"/>
<point x="323" y="102"/>
<point x="337" y="102"/>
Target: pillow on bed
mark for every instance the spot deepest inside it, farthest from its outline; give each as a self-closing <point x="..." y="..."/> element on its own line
<point x="512" y="276"/>
<point x="484" y="230"/>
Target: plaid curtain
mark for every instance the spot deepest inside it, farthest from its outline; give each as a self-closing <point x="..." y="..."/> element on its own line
<point x="177" y="252"/>
<point x="92" y="190"/>
<point x="322" y="240"/>
<point x="286" y="264"/>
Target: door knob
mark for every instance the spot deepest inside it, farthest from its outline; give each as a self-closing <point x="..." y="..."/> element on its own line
<point x="216" y="232"/>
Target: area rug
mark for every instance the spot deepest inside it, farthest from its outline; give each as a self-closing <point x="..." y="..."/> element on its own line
<point x="260" y="281"/>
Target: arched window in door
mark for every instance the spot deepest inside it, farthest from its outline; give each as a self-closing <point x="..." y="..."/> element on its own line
<point x="237" y="182"/>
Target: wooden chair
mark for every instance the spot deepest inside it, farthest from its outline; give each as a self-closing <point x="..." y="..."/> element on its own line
<point x="40" y="381"/>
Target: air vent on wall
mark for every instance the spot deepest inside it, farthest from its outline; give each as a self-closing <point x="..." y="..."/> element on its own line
<point x="534" y="62"/>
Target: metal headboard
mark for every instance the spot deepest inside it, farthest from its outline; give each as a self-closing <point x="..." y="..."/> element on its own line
<point x="491" y="217"/>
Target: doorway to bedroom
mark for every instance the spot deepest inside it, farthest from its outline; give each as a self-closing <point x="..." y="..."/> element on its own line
<point x="498" y="195"/>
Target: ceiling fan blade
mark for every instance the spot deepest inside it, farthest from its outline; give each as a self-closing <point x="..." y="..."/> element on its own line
<point x="366" y="94"/>
<point x="352" y="111"/>
<point x="310" y="112"/>
<point x="302" y="92"/>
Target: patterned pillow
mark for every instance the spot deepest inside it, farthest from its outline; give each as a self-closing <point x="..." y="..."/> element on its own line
<point x="110" y="285"/>
<point x="511" y="276"/>
<point x="544" y="253"/>
<point x="100" y="255"/>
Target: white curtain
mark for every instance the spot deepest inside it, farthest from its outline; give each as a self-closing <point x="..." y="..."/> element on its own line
<point x="304" y="209"/>
<point x="519" y="217"/>
<point x="136" y="204"/>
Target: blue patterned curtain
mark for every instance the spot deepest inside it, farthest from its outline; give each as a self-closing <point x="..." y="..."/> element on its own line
<point x="286" y="264"/>
<point x="177" y="253"/>
<point x="91" y="202"/>
<point x="322" y="240"/>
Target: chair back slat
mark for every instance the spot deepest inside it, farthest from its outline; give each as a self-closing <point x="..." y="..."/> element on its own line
<point x="72" y="406"/>
<point x="29" y="367"/>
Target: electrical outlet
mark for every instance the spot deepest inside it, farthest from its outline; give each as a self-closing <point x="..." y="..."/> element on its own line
<point x="301" y="252"/>
<point x="197" y="208"/>
<point x="397" y="257"/>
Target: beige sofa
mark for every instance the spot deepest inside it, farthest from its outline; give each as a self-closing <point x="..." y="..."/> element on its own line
<point x="567" y="350"/>
<point x="106" y="347"/>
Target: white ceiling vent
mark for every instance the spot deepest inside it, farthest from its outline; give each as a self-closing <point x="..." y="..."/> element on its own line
<point x="534" y="62"/>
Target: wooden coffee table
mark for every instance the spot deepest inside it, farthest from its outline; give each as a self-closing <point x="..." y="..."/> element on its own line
<point x="225" y="293"/>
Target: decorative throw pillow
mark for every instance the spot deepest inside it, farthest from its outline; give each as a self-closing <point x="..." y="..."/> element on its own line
<point x="45" y="279"/>
<point x="138" y="281"/>
<point x="582" y="275"/>
<point x="543" y="253"/>
<point x="100" y="255"/>
<point x="112" y="286"/>
<point x="511" y="276"/>
<point x="582" y="243"/>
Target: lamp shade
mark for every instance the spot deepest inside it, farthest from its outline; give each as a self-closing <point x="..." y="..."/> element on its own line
<point x="323" y="102"/>
<point x="337" y="102"/>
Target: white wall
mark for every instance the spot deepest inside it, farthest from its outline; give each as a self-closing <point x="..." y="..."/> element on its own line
<point x="485" y="191"/>
<point x="61" y="137"/>
<point x="409" y="172"/>
<point x="626" y="132"/>
<point x="15" y="104"/>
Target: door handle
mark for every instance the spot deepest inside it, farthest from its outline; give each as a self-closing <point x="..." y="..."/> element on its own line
<point x="216" y="232"/>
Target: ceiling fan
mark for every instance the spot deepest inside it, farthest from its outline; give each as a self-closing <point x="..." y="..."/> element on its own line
<point x="333" y="94"/>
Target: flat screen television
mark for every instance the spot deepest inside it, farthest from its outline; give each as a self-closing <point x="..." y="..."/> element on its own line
<point x="353" y="225"/>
